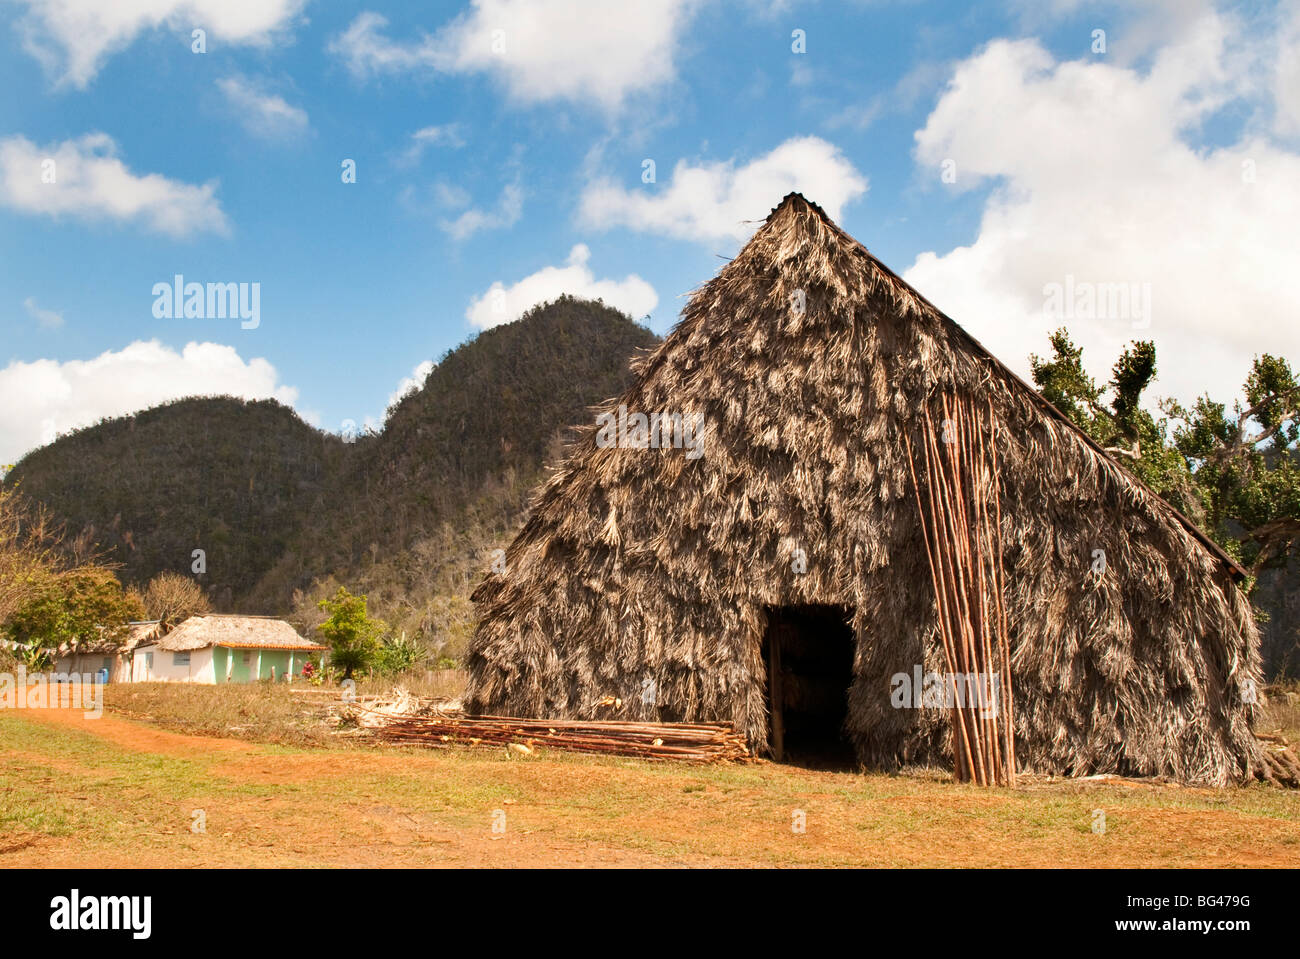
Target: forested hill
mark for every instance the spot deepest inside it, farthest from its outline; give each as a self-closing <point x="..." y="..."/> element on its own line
<point x="284" y="511"/>
<point x="420" y="505"/>
<point x="231" y="477"/>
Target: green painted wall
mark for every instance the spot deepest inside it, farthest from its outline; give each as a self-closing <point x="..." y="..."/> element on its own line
<point x="259" y="665"/>
<point x="240" y="670"/>
<point x="279" y="658"/>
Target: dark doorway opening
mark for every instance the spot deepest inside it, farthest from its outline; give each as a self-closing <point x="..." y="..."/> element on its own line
<point x="809" y="655"/>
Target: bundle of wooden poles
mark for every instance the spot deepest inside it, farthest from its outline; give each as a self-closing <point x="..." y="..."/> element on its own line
<point x="688" y="742"/>
<point x="1279" y="764"/>
<point x="960" y="510"/>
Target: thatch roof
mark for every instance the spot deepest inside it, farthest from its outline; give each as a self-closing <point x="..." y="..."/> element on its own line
<point x="136" y="634"/>
<point x="643" y="564"/>
<point x="247" y="632"/>
<point x="122" y="639"/>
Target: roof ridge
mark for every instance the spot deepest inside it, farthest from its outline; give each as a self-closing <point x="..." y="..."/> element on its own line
<point x="795" y="196"/>
<point x="858" y="248"/>
<point x="855" y="246"/>
<point x="238" y="616"/>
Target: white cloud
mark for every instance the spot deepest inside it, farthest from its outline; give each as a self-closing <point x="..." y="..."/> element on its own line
<point x="408" y="384"/>
<point x="450" y="195"/>
<point x="509" y="208"/>
<point x="722" y="200"/>
<point x="576" y="50"/>
<point x="1286" y="81"/>
<point x="859" y="115"/>
<point x="502" y="304"/>
<point x="433" y="136"/>
<point x="411" y="383"/>
<point x="47" y="319"/>
<point x="45" y="397"/>
<point x="72" y="38"/>
<point x="91" y="183"/>
<point x="366" y="52"/>
<point x="263" y="114"/>
<point x="1093" y="178"/>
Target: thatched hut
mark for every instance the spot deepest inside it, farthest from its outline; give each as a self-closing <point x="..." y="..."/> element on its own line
<point x="658" y="583"/>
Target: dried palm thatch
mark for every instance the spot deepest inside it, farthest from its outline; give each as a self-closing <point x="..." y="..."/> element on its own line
<point x="810" y="362"/>
<point x="120" y="640"/>
<point x="252" y="632"/>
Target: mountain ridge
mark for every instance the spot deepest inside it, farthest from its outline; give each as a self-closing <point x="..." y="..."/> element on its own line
<point x="284" y="511"/>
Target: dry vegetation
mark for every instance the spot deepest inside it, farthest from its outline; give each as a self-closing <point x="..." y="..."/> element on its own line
<point x="288" y="714"/>
<point x="1282" y="712"/>
<point x="295" y="714"/>
<point x="112" y="792"/>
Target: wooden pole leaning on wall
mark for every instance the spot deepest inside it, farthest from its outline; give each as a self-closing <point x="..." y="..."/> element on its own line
<point x="777" y="692"/>
<point x="960" y="512"/>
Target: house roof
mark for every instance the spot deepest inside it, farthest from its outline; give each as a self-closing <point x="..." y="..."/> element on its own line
<point x="1232" y="566"/>
<point x="246" y="632"/>
<point x="123" y="639"/>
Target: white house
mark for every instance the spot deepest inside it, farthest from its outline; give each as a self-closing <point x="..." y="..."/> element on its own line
<point x="107" y="653"/>
<point x="219" y="648"/>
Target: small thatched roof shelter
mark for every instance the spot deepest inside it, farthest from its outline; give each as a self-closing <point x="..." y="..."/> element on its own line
<point x="138" y="634"/>
<point x="111" y="649"/>
<point x="119" y="640"/>
<point x="247" y="632"/>
<point x="647" y="570"/>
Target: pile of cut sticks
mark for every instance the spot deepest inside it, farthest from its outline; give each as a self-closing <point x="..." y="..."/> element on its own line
<point x="960" y="510"/>
<point x="1279" y="764"/>
<point x="687" y="742"/>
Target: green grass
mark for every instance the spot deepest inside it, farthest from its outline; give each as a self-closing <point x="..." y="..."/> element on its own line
<point x="80" y="783"/>
<point x="84" y="799"/>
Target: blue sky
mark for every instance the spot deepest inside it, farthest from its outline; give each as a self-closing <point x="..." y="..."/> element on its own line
<point x="1168" y="162"/>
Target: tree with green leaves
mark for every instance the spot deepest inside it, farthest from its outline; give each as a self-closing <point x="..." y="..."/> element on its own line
<point x="72" y="607"/>
<point x="1233" y="471"/>
<point x="1114" y="417"/>
<point x="1244" y="461"/>
<point x="399" y="653"/>
<point x="353" y="636"/>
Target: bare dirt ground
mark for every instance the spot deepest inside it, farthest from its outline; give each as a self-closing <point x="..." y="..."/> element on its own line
<point x="115" y="792"/>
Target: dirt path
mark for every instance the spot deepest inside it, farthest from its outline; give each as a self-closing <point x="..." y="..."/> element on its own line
<point x="140" y="737"/>
<point x="302" y="826"/>
<point x="127" y="794"/>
